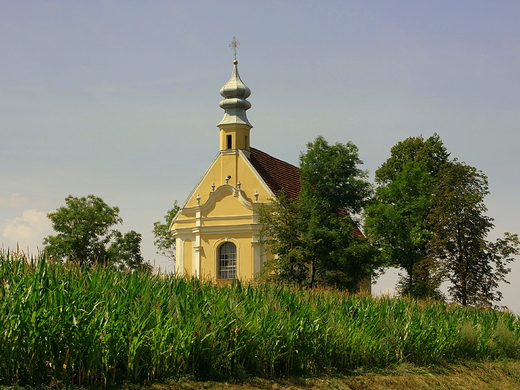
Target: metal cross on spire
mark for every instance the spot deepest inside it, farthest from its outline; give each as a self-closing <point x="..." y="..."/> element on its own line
<point x="234" y="44"/>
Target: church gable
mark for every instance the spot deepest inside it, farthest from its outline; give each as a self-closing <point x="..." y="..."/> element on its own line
<point x="236" y="173"/>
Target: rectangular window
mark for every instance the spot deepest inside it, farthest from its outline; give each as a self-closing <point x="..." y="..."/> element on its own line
<point x="229" y="143"/>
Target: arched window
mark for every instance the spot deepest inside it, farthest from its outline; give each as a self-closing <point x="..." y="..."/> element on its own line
<point x="227" y="261"/>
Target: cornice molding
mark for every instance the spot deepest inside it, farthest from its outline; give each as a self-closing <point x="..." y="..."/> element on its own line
<point x="228" y="230"/>
<point x="209" y="219"/>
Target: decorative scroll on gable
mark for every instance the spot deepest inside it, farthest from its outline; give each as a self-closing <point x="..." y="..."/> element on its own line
<point x="218" y="193"/>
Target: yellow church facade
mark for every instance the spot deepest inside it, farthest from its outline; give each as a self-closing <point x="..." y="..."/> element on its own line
<point x="217" y="230"/>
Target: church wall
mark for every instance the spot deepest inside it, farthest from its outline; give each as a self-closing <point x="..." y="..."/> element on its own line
<point x="240" y="220"/>
<point x="210" y="244"/>
<point x="226" y="205"/>
<point x="188" y="255"/>
<point x="228" y="167"/>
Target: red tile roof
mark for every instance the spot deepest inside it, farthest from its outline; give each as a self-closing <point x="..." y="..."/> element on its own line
<point x="276" y="173"/>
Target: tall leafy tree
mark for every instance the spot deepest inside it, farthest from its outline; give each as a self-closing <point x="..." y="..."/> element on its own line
<point x="125" y="251"/>
<point x="83" y="229"/>
<point x="428" y="218"/>
<point x="164" y="242"/>
<point x="429" y="152"/>
<point x="315" y="237"/>
<point x="459" y="227"/>
<point x="85" y="234"/>
<point x="331" y="178"/>
<point x="395" y="221"/>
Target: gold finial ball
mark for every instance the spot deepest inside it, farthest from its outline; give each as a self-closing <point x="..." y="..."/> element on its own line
<point x="235" y="62"/>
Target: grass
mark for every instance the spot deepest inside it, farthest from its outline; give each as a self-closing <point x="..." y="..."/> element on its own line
<point x="502" y="375"/>
<point x="96" y="326"/>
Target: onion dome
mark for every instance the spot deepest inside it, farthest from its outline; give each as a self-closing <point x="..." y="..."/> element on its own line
<point x="235" y="104"/>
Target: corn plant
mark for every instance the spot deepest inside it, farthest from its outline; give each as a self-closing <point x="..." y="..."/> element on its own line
<point x="97" y="326"/>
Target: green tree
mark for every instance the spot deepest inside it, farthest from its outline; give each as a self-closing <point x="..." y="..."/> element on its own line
<point x="473" y="265"/>
<point x="331" y="179"/>
<point x="315" y="237"/>
<point x="428" y="218"/>
<point x="164" y="242"/>
<point x="430" y="152"/>
<point x="283" y="234"/>
<point x="83" y="227"/>
<point x="125" y="251"/>
<point x="395" y="221"/>
<point x="84" y="234"/>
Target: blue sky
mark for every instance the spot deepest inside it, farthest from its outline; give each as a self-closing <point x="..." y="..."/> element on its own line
<point x="120" y="98"/>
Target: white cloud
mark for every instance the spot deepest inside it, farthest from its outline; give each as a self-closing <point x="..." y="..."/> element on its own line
<point x="28" y="230"/>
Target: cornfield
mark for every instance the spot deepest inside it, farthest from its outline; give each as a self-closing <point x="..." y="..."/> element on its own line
<point x="69" y="324"/>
